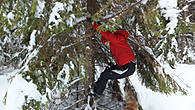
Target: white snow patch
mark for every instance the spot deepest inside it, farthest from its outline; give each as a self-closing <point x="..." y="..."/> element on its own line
<point x="18" y="89"/>
<point x="70" y="20"/>
<point x="32" y="40"/>
<point x="168" y="3"/>
<point x="58" y="7"/>
<point x="143" y="1"/>
<point x="65" y="70"/>
<point x="27" y="59"/>
<point x="82" y="70"/>
<point x="69" y="8"/>
<point x="71" y="1"/>
<point x="4" y="86"/>
<point x="170" y="12"/>
<point x="122" y="86"/>
<point x="40" y="7"/>
<point x="10" y="16"/>
<point x="156" y="101"/>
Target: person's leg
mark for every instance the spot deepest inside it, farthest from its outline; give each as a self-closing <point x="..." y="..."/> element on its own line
<point x="126" y="70"/>
<point x="100" y="85"/>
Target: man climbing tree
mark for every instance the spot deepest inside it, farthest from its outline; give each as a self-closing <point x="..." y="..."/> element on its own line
<point x="123" y="54"/>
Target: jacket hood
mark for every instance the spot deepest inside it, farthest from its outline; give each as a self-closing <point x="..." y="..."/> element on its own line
<point x="123" y="33"/>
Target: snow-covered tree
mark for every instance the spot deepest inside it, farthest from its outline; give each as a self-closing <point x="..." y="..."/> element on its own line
<point x="52" y="45"/>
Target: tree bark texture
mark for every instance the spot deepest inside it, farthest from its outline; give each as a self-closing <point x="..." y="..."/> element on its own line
<point x="183" y="37"/>
<point x="92" y="8"/>
<point x="131" y="97"/>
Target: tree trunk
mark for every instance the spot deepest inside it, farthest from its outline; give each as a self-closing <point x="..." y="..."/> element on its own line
<point x="183" y="37"/>
<point x="131" y="97"/>
<point x="92" y="9"/>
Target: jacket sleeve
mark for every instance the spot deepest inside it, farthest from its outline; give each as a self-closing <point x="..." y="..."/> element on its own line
<point x="106" y="36"/>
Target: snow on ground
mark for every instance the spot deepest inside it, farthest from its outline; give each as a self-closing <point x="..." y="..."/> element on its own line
<point x="156" y="101"/>
<point x="4" y="86"/>
<point x="16" y="90"/>
<point x="148" y="99"/>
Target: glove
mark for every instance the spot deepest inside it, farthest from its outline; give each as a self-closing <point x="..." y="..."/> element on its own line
<point x="112" y="66"/>
<point x="99" y="23"/>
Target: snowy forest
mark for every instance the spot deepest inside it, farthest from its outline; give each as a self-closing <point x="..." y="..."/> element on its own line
<point x="51" y="56"/>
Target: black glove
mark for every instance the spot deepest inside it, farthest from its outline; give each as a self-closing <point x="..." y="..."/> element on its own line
<point x="98" y="22"/>
<point x="112" y="66"/>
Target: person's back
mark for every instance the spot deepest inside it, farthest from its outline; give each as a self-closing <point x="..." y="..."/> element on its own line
<point x="120" y="49"/>
<point x="124" y="58"/>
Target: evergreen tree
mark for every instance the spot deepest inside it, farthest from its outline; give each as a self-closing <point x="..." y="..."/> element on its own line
<point x="53" y="45"/>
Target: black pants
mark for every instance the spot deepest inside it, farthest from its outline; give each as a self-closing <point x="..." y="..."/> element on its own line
<point x="112" y="73"/>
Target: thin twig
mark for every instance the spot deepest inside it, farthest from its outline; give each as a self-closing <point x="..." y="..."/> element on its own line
<point x="122" y="12"/>
<point x="74" y="104"/>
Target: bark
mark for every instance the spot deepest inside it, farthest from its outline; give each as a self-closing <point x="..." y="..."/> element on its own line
<point x="183" y="37"/>
<point x="92" y="8"/>
<point x="131" y="97"/>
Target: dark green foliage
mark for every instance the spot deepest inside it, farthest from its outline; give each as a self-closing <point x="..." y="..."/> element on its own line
<point x="31" y="105"/>
<point x="155" y="78"/>
<point x="61" y="47"/>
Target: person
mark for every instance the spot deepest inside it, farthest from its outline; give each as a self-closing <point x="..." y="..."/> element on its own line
<point x="123" y="55"/>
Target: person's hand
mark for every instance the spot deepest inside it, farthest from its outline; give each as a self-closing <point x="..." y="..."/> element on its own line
<point x="98" y="22"/>
<point x="95" y="25"/>
<point x="112" y="66"/>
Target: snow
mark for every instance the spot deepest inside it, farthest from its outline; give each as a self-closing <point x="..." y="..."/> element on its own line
<point x="65" y="70"/>
<point x="4" y="86"/>
<point x="143" y="1"/>
<point x="122" y="86"/>
<point x="32" y="40"/>
<point x="40" y="7"/>
<point x="69" y="8"/>
<point x="55" y="16"/>
<point x="15" y="87"/>
<point x="28" y="58"/>
<point x="70" y="20"/>
<point x="19" y="88"/>
<point x="10" y="16"/>
<point x="170" y="12"/>
<point x="58" y="7"/>
<point x="156" y="101"/>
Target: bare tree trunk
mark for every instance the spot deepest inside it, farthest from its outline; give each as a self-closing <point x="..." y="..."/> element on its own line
<point x="185" y="12"/>
<point x="183" y="37"/>
<point x="92" y="8"/>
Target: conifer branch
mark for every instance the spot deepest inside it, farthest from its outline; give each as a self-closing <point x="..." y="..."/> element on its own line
<point x="108" y="17"/>
<point x="122" y="12"/>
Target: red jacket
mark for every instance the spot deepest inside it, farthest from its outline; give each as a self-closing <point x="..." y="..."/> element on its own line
<point x="119" y="47"/>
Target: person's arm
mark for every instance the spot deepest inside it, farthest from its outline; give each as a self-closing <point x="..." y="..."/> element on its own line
<point x="107" y="35"/>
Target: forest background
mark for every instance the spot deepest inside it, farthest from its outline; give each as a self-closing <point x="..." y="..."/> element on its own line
<point x="51" y="55"/>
